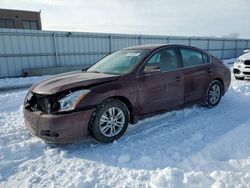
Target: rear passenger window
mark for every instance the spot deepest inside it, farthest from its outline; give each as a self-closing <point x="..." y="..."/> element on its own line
<point x="191" y="57"/>
<point x="205" y="58"/>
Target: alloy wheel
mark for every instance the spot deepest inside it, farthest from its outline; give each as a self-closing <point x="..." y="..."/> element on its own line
<point x="214" y="94"/>
<point x="111" y="121"/>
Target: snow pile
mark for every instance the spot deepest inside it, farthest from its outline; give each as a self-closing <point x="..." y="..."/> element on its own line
<point x="20" y="82"/>
<point x="193" y="147"/>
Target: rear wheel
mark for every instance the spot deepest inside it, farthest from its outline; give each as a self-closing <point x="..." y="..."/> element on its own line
<point x="213" y="94"/>
<point x="110" y="121"/>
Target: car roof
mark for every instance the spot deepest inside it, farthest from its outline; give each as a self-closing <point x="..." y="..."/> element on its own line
<point x="153" y="47"/>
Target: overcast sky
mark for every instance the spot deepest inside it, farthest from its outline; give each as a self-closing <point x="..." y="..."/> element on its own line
<point x="160" y="17"/>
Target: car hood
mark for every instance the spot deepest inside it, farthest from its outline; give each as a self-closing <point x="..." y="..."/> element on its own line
<point x="245" y="56"/>
<point x="71" y="80"/>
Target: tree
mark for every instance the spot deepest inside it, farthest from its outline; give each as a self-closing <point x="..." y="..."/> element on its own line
<point x="234" y="35"/>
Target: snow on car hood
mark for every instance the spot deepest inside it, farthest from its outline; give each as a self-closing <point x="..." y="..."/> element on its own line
<point x="245" y="56"/>
<point x="70" y="80"/>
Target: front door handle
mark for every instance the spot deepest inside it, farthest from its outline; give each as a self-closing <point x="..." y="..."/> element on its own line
<point x="178" y="78"/>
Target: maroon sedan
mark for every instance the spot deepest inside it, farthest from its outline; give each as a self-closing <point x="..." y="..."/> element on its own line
<point x="122" y="88"/>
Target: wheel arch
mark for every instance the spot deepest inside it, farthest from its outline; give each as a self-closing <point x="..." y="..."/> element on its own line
<point x="222" y="82"/>
<point x="128" y="104"/>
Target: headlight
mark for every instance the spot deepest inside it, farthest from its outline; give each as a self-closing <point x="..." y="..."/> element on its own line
<point x="239" y="61"/>
<point x="70" y="101"/>
<point x="28" y="97"/>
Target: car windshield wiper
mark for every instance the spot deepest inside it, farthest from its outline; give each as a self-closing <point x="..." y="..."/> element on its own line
<point x="85" y="68"/>
<point x="111" y="73"/>
<point x="95" y="72"/>
<point x="102" y="72"/>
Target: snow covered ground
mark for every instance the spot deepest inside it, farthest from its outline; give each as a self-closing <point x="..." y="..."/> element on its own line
<point x="193" y="147"/>
<point x="15" y="83"/>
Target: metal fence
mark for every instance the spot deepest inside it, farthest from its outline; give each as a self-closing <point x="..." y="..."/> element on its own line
<point x="28" y="49"/>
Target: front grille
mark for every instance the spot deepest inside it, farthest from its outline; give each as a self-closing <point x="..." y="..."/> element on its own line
<point x="36" y="102"/>
<point x="246" y="73"/>
<point x="247" y="62"/>
<point x="44" y="103"/>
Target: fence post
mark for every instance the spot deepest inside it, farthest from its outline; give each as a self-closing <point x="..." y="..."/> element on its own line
<point x="223" y="48"/>
<point x="189" y="41"/>
<point x="110" y="43"/>
<point x="247" y="44"/>
<point x="139" y="40"/>
<point x="236" y="47"/>
<point x="208" y="44"/>
<point x="55" y="49"/>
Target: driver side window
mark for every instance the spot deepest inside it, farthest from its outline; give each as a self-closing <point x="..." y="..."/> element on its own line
<point x="153" y="64"/>
<point x="164" y="60"/>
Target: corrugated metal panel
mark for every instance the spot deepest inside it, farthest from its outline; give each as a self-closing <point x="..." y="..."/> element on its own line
<point x="248" y="44"/>
<point x="199" y="43"/>
<point x="230" y="44"/>
<point x="242" y="44"/>
<point x="215" y="44"/>
<point x="216" y="53"/>
<point x="179" y="41"/>
<point x="24" y="49"/>
<point x="229" y="54"/>
<point x="239" y="52"/>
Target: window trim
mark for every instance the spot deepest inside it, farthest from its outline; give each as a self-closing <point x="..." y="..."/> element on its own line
<point x="209" y="57"/>
<point x="140" y="72"/>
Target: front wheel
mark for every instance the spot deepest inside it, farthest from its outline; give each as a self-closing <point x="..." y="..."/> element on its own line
<point x="110" y="121"/>
<point x="213" y="94"/>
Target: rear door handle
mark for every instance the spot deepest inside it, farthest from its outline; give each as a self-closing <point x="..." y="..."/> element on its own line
<point x="178" y="78"/>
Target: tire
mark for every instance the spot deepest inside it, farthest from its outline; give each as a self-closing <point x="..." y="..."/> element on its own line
<point x="110" y="121"/>
<point x="213" y="94"/>
<point x="239" y="78"/>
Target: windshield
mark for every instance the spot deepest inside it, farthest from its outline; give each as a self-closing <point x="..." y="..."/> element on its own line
<point x="120" y="62"/>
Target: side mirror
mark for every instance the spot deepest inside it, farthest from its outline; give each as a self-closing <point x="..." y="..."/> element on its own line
<point x="246" y="51"/>
<point x="142" y="73"/>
